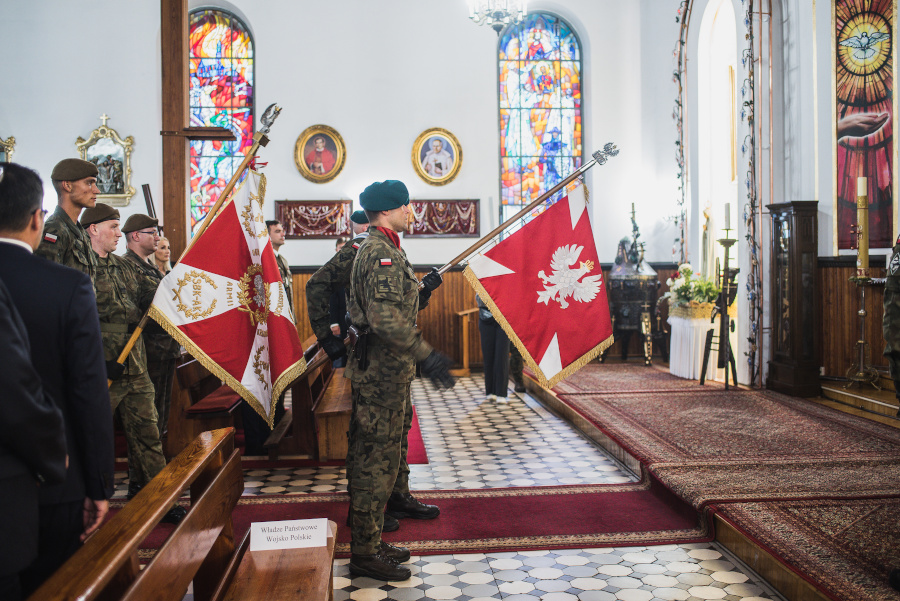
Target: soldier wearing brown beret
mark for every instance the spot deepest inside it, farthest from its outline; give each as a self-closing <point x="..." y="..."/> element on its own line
<point x="63" y="241"/>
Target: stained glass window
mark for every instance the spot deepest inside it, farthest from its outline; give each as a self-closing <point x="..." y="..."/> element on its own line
<point x="540" y="108"/>
<point x="221" y="71"/>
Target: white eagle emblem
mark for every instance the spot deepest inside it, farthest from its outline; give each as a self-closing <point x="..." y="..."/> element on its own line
<point x="563" y="282"/>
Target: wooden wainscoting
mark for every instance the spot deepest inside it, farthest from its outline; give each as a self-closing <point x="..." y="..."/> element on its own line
<point x="839" y="323"/>
<point x="441" y="326"/>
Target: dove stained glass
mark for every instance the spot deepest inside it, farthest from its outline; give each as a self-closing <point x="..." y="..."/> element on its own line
<point x="540" y="108"/>
<point x="864" y="84"/>
<point x="221" y="95"/>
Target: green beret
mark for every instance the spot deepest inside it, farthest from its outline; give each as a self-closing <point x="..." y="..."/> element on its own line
<point x="100" y="212"/>
<point x="138" y="222"/>
<point x="384" y="196"/>
<point x="70" y="170"/>
<point x="359" y="217"/>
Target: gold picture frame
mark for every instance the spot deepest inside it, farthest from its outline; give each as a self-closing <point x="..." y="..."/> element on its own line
<point x="7" y="147"/>
<point x="112" y="155"/>
<point x="320" y="153"/>
<point x="431" y="152"/>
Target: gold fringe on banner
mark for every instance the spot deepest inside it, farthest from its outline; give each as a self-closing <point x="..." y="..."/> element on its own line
<point x="529" y="360"/>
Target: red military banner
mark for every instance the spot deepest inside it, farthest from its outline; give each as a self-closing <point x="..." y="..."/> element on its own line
<point x="226" y="304"/>
<point x="544" y="286"/>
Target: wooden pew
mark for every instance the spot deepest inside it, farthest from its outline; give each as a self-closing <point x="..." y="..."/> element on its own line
<point x="200" y="402"/>
<point x="332" y="414"/>
<point x="201" y="549"/>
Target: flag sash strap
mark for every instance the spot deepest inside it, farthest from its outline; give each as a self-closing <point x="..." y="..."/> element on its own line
<point x="526" y="356"/>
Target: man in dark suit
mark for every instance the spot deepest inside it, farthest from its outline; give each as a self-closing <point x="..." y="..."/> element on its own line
<point x="32" y="448"/>
<point x="58" y="308"/>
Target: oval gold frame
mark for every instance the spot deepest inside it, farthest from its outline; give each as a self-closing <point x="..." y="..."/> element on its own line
<point x="309" y="133"/>
<point x="454" y="145"/>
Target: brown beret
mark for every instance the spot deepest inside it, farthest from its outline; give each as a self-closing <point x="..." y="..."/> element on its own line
<point x="138" y="222"/>
<point x="70" y="170"/>
<point x="100" y="212"/>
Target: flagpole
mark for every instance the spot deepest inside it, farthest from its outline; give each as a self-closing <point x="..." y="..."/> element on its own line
<point x="259" y="139"/>
<point x="600" y="157"/>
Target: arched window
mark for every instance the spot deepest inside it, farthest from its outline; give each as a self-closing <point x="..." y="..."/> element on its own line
<point x="221" y="68"/>
<point x="540" y="108"/>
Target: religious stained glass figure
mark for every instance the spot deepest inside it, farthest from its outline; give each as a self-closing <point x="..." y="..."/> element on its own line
<point x="540" y="108"/>
<point x="221" y="75"/>
<point x="864" y="102"/>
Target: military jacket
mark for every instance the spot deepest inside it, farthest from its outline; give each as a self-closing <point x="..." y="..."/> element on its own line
<point x="384" y="297"/>
<point x="286" y="278"/>
<point x="123" y="295"/>
<point x="333" y="275"/>
<point x="66" y="243"/>
<point x="890" y="326"/>
<point x="160" y="346"/>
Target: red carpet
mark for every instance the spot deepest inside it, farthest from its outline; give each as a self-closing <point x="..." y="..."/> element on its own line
<point x="503" y="519"/>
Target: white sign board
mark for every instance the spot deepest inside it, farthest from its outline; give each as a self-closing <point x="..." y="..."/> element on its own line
<point x="289" y="534"/>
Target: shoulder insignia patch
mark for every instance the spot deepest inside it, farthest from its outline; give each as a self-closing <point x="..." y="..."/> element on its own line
<point x="385" y="262"/>
<point x="50" y="238"/>
<point x="356" y="245"/>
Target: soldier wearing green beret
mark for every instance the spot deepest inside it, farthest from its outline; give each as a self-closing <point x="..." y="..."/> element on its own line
<point x="123" y="295"/>
<point x="142" y="239"/>
<point x="890" y="326"/>
<point x="384" y="301"/>
<point x="63" y="242"/>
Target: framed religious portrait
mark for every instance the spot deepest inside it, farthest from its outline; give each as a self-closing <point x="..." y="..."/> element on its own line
<point x="444" y="218"/>
<point x="320" y="153"/>
<point x="7" y="147"/>
<point x="314" y="219"/>
<point x="437" y="156"/>
<point x="112" y="155"/>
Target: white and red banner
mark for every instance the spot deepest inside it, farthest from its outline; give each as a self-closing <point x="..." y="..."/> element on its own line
<point x="226" y="304"/>
<point x="544" y="286"/>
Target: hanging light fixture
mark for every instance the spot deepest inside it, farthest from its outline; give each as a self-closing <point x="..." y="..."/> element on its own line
<point x="497" y="13"/>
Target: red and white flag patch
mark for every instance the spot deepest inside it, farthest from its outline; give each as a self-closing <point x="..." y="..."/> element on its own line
<point x="356" y="245"/>
<point x="50" y="238"/>
<point x="385" y="262"/>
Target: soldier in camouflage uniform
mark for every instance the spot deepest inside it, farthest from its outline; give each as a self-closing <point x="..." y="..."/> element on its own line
<point x="384" y="301"/>
<point x="142" y="238"/>
<point x="123" y="294"/>
<point x="276" y="235"/>
<point x="890" y="327"/>
<point x="75" y="182"/>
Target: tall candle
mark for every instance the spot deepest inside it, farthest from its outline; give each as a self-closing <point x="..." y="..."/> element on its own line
<point x="862" y="186"/>
<point x="862" y="220"/>
<point x="727" y="215"/>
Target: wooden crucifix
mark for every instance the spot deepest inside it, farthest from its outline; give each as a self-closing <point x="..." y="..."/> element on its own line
<point x="176" y="134"/>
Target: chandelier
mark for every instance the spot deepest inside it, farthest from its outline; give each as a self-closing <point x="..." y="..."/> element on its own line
<point x="497" y="13"/>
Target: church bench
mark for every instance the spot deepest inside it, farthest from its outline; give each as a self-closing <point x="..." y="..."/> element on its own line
<point x="201" y="549"/>
<point x="333" y="418"/>
<point x="200" y="402"/>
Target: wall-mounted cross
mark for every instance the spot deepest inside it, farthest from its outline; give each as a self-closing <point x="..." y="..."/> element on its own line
<point x="104" y="117"/>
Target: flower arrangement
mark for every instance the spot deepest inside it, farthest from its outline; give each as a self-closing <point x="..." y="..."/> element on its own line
<point x="688" y="288"/>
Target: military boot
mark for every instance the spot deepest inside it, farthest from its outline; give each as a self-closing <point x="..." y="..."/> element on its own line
<point x="404" y="505"/>
<point x="133" y="489"/>
<point x="398" y="554"/>
<point x="390" y="524"/>
<point x="378" y="567"/>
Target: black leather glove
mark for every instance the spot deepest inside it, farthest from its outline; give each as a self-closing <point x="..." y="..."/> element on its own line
<point x="424" y="295"/>
<point x="432" y="280"/>
<point x="437" y="367"/>
<point x="334" y="347"/>
<point x="114" y="370"/>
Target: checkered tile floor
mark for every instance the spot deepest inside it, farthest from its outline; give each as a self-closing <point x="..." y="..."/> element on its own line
<point x="473" y="442"/>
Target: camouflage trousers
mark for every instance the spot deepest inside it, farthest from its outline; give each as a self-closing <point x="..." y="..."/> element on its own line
<point x="516" y="365"/>
<point x="893" y="358"/>
<point x="133" y="398"/>
<point x="162" y="374"/>
<point x="376" y="458"/>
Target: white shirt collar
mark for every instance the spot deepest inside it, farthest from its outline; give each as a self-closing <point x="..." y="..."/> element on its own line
<point x="24" y="245"/>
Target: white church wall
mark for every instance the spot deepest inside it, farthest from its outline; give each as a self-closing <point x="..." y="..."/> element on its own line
<point x="379" y="73"/>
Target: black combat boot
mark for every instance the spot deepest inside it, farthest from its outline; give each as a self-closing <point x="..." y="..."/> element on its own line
<point x="398" y="554"/>
<point x="390" y="524"/>
<point x="175" y="515"/>
<point x="378" y="567"/>
<point x="404" y="505"/>
<point x="133" y="489"/>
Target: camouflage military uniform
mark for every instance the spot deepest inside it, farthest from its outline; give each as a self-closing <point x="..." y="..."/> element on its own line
<point x="162" y="350"/>
<point x="890" y="327"/>
<point x="384" y="298"/>
<point x="286" y="278"/>
<point x="66" y="243"/>
<point x="333" y="275"/>
<point x="123" y="294"/>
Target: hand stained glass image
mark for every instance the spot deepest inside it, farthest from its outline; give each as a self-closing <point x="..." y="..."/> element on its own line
<point x="864" y="103"/>
<point x="221" y="74"/>
<point x="540" y="108"/>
